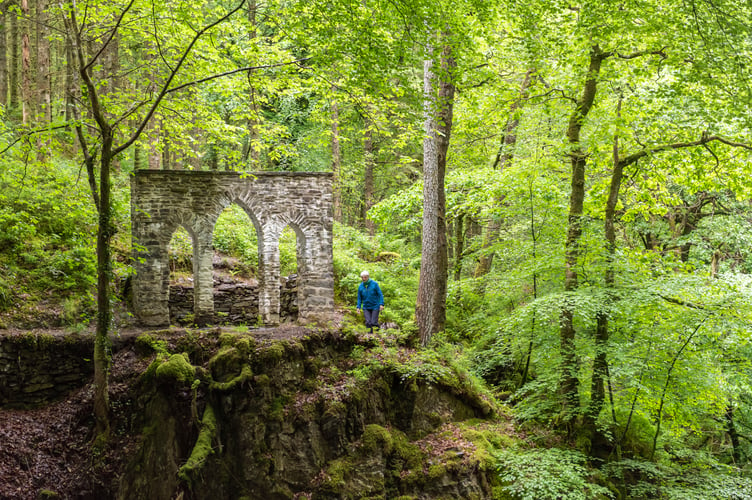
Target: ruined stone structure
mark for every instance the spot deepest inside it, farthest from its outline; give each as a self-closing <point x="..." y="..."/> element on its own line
<point x="162" y="200"/>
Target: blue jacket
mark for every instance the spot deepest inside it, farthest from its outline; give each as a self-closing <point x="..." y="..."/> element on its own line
<point x="369" y="295"/>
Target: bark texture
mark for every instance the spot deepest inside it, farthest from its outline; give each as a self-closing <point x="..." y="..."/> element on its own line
<point x="369" y="150"/>
<point x="336" y="163"/>
<point x="430" y="312"/>
<point x="578" y="158"/>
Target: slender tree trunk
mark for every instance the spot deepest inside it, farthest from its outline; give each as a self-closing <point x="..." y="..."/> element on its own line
<point x="44" y="79"/>
<point x="430" y="311"/>
<point x="600" y="362"/>
<point x="70" y="80"/>
<point x="534" y="237"/>
<point x="251" y="153"/>
<point x="14" y="62"/>
<point x="369" y="151"/>
<point x="104" y="274"/>
<point x="459" y="245"/>
<point x="569" y="367"/>
<point x="4" y="73"/>
<point x="336" y="164"/>
<point x="154" y="155"/>
<point x="26" y="91"/>
<point x="733" y="434"/>
<point x="501" y="161"/>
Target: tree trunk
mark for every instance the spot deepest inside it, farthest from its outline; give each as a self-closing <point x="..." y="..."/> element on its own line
<point x="502" y="160"/>
<point x="568" y="382"/>
<point x="4" y="16"/>
<point x="459" y="245"/>
<point x="733" y="434"/>
<point x="154" y="155"/>
<point x="27" y="111"/>
<point x="70" y="80"/>
<point x="44" y="79"/>
<point x="430" y="310"/>
<point x="14" y="62"/>
<point x="104" y="275"/>
<point x="251" y="153"/>
<point x="336" y="164"/>
<point x="600" y="362"/>
<point x="369" y="159"/>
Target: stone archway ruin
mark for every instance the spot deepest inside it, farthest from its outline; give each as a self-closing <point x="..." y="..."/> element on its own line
<point x="162" y="200"/>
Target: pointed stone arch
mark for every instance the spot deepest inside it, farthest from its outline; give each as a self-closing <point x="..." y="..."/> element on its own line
<point x="163" y="199"/>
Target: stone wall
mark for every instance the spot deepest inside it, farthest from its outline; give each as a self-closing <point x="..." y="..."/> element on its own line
<point x="162" y="200"/>
<point x="234" y="302"/>
<point x="35" y="369"/>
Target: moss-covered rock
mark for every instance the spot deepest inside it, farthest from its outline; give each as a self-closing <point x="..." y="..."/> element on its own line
<point x="176" y="370"/>
<point x="306" y="419"/>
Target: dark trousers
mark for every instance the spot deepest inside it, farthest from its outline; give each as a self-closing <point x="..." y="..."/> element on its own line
<point x="372" y="318"/>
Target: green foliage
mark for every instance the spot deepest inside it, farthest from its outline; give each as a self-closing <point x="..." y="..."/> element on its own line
<point x="388" y="260"/>
<point x="235" y="235"/>
<point x="46" y="223"/>
<point x="642" y="479"/>
<point x="548" y="474"/>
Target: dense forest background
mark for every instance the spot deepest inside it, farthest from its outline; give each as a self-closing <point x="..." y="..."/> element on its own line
<point x="559" y="193"/>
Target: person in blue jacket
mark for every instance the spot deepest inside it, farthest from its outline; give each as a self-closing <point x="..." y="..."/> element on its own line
<point x="370" y="299"/>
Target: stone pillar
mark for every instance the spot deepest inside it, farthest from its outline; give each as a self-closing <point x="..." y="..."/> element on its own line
<point x="316" y="295"/>
<point x="203" y="283"/>
<point x="269" y="274"/>
<point x="151" y="286"/>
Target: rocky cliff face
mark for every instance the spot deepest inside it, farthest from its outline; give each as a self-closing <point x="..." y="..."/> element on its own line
<point x="268" y="414"/>
<point x="315" y="417"/>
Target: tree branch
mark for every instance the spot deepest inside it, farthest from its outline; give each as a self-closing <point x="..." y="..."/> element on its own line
<point x="89" y="158"/>
<point x="111" y="36"/>
<point x="704" y="140"/>
<point x="680" y="302"/>
<point x="634" y="55"/>
<point x="232" y="72"/>
<point x="173" y="73"/>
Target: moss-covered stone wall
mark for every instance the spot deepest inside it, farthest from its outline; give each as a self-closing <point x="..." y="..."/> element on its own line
<point x="38" y="368"/>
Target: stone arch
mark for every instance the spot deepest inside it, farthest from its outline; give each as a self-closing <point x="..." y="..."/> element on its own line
<point x="163" y="199"/>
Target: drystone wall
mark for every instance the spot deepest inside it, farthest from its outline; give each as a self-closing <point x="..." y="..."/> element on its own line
<point x="35" y="369"/>
<point x="234" y="302"/>
<point x="163" y="200"/>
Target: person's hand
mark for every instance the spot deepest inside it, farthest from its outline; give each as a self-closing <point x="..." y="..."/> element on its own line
<point x="358" y="311"/>
<point x="381" y="308"/>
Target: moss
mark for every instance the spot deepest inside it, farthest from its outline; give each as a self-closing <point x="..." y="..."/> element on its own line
<point x="488" y="440"/>
<point x="151" y="371"/>
<point x="227" y="339"/>
<point x="273" y="353"/>
<point x="336" y="473"/>
<point x="262" y="380"/>
<point x="277" y="408"/>
<point x="147" y="344"/>
<point x="245" y="375"/>
<point x="203" y="447"/>
<point x="177" y="369"/>
<point x="436" y="471"/>
<point x="44" y="494"/>
<point x="227" y="364"/>
<point x="376" y="437"/>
